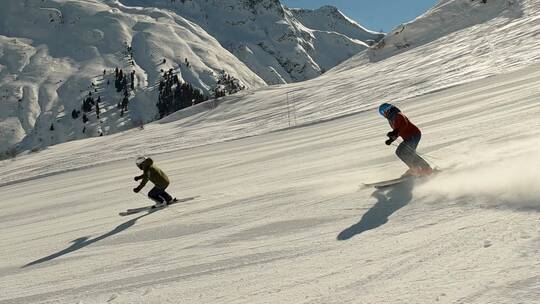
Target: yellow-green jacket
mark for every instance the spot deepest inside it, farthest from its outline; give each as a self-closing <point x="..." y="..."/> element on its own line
<point x="153" y="174"/>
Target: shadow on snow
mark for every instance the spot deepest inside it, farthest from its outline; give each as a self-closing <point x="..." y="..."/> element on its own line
<point x="389" y="200"/>
<point x="85" y="241"/>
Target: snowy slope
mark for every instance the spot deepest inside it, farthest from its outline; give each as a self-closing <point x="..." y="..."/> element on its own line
<point x="52" y="53"/>
<point x="356" y="86"/>
<point x="280" y="217"/>
<point x="279" y="44"/>
<point x="446" y="17"/>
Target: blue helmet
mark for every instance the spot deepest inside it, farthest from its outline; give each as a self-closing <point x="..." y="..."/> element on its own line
<point x="384" y="108"/>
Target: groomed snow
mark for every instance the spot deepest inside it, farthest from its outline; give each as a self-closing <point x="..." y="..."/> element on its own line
<point x="280" y="215"/>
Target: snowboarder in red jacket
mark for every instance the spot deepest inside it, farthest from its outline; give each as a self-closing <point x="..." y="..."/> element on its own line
<point x="411" y="135"/>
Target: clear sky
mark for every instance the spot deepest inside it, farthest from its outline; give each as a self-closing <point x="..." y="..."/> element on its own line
<point x="373" y="14"/>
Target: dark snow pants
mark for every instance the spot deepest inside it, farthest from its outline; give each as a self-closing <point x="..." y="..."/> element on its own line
<point x="406" y="151"/>
<point x="159" y="195"/>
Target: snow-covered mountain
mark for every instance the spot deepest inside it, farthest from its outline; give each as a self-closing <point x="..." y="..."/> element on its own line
<point x="54" y="53"/>
<point x="330" y="19"/>
<point x="278" y="215"/>
<point x="279" y="44"/>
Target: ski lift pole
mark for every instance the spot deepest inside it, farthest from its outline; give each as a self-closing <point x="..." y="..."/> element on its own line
<point x="288" y="110"/>
<point x="294" y="108"/>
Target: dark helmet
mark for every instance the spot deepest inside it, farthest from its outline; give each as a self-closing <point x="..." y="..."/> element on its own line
<point x="383" y="109"/>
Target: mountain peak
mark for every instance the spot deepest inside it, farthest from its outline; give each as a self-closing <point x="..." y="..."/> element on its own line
<point x="268" y="5"/>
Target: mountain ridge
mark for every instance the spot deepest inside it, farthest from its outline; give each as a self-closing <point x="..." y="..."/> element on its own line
<point x="57" y="52"/>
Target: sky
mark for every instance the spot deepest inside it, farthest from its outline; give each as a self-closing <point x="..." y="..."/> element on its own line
<point x="375" y="15"/>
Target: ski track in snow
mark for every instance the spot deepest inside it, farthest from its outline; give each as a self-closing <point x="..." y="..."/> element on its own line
<point x="281" y="217"/>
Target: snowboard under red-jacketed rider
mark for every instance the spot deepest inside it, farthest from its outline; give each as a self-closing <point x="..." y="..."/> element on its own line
<point x="411" y="135"/>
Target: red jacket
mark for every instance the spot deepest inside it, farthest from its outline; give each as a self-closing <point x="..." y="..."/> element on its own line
<point x="403" y="127"/>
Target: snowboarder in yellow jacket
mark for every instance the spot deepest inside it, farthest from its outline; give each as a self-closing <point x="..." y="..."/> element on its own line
<point x="160" y="180"/>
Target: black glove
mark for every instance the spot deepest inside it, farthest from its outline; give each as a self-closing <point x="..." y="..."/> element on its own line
<point x="389" y="141"/>
<point x="392" y="134"/>
<point x="136" y="178"/>
<point x="136" y="190"/>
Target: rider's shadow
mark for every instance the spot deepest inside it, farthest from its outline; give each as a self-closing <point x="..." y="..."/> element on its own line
<point x="389" y="200"/>
<point x="85" y="241"/>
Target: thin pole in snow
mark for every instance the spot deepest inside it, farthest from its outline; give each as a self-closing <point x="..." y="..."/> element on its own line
<point x="288" y="110"/>
<point x="294" y="108"/>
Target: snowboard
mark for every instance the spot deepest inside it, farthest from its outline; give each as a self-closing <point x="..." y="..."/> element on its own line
<point x="152" y="208"/>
